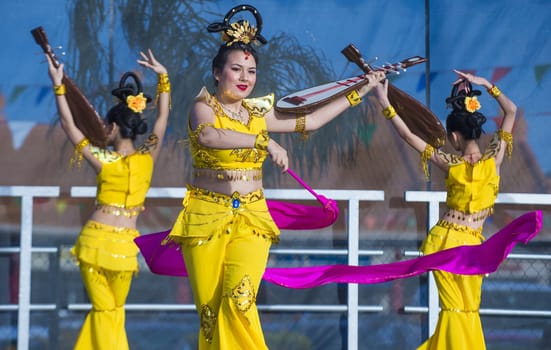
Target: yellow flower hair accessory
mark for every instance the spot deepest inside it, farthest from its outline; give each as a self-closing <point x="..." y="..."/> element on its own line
<point x="472" y="104"/>
<point x="136" y="103"/>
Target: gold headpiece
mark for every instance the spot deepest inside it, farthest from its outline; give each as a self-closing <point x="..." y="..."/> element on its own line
<point x="240" y="31"/>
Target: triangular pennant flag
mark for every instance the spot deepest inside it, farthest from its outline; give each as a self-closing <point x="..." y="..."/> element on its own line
<point x="17" y="90"/>
<point x="499" y="73"/>
<point x="19" y="131"/>
<point x="540" y="70"/>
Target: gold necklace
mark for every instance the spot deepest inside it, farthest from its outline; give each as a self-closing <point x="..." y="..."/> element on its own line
<point x="233" y="115"/>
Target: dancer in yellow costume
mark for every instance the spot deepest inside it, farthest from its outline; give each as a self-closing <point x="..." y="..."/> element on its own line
<point x="472" y="186"/>
<point x="225" y="229"/>
<point x="105" y="248"/>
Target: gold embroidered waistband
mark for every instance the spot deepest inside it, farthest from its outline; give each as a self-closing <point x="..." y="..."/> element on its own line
<point x="230" y="174"/>
<point x="109" y="228"/>
<point x="120" y="210"/>
<point x="470" y="217"/>
<point x="461" y="228"/>
<point x="235" y="200"/>
<point x="461" y="311"/>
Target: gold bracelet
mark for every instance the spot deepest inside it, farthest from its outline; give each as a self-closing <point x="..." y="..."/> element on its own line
<point x="301" y="125"/>
<point x="59" y="90"/>
<point x="494" y="91"/>
<point x="353" y="98"/>
<point x="261" y="141"/>
<point x="164" y="83"/>
<point x="163" y="86"/>
<point x="389" y="112"/>
<point x="76" y="159"/>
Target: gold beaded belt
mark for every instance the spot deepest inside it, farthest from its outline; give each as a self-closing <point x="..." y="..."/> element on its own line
<point x="119" y="210"/>
<point x="474" y="217"/>
<point x="230" y="175"/>
<point x="461" y="228"/>
<point x="234" y="201"/>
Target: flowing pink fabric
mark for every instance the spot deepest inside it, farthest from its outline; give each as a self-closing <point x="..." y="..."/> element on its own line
<point x="167" y="259"/>
<point x="291" y="216"/>
<point x="467" y="260"/>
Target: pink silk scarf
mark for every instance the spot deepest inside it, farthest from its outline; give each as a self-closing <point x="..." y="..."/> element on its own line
<point x="468" y="260"/>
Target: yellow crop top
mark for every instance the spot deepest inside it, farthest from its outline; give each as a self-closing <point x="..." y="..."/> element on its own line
<point x="472" y="188"/>
<point x="124" y="180"/>
<point x="231" y="159"/>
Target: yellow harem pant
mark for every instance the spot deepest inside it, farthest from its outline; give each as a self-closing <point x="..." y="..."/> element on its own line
<point x="459" y="326"/>
<point x="225" y="244"/>
<point x="107" y="257"/>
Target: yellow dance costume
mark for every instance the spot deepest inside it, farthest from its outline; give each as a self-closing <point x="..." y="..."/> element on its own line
<point x="225" y="239"/>
<point x="107" y="255"/>
<point x="471" y="190"/>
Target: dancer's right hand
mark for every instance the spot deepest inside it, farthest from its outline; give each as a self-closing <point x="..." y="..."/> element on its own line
<point x="56" y="74"/>
<point x="278" y="154"/>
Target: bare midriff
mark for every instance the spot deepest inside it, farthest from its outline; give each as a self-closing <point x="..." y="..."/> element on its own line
<point x="228" y="181"/>
<point x="474" y="220"/>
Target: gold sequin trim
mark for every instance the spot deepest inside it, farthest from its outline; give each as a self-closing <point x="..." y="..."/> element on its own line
<point x="461" y="228"/>
<point x="76" y="159"/>
<point x="508" y="138"/>
<point x="111" y="229"/>
<point x="120" y="210"/>
<point x="461" y="311"/>
<point x="208" y="322"/>
<point x="223" y="199"/>
<point x="425" y="157"/>
<point x="103" y="276"/>
<point x="230" y="175"/>
<point x="243" y="295"/>
<point x="300" y="125"/>
<point x="470" y="217"/>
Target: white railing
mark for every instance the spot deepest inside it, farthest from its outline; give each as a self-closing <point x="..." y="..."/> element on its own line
<point x="353" y="253"/>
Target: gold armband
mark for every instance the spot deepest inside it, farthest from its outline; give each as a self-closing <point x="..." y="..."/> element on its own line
<point x="389" y="112"/>
<point x="261" y="141"/>
<point x="425" y="157"/>
<point x="494" y="91"/>
<point x="508" y="138"/>
<point x="301" y="125"/>
<point x="76" y="159"/>
<point x="59" y="90"/>
<point x="163" y="86"/>
<point x="353" y="98"/>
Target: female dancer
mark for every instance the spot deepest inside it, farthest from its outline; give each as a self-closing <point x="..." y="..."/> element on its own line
<point x="225" y="229"/>
<point x="472" y="186"/>
<point x="105" y="250"/>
